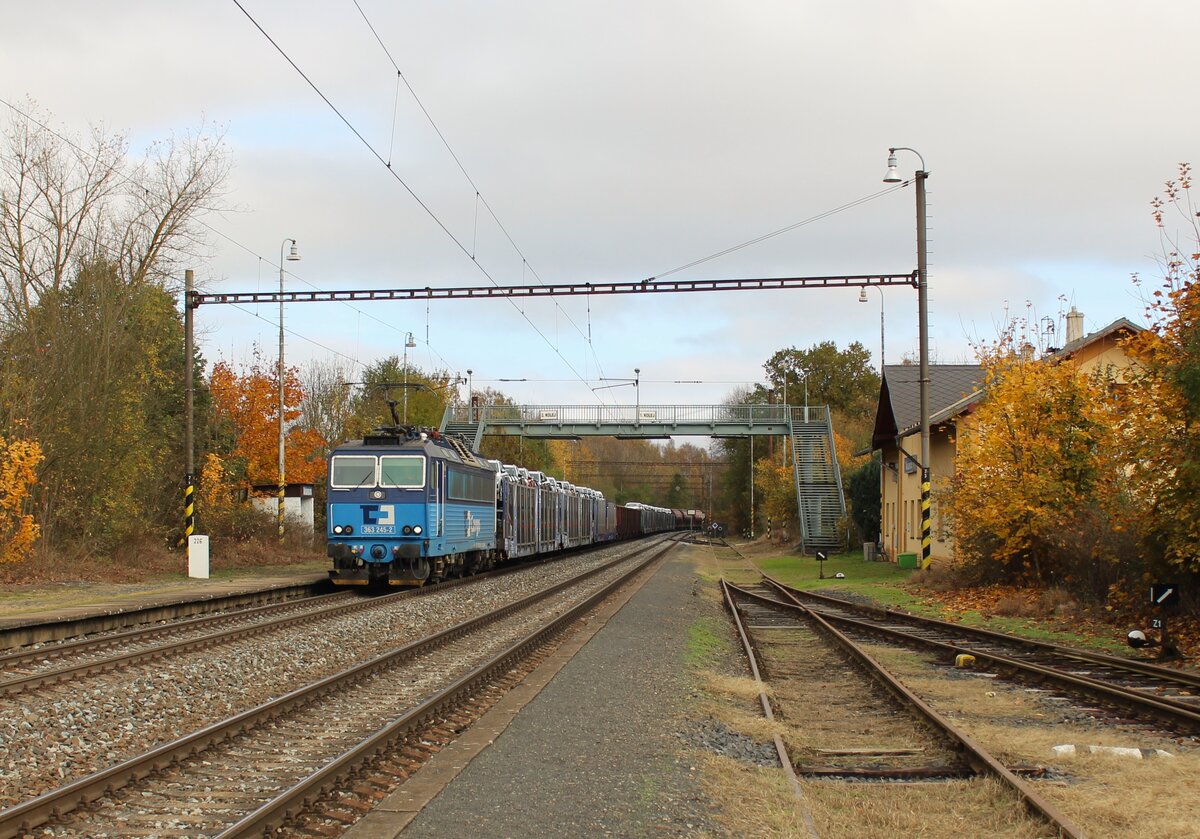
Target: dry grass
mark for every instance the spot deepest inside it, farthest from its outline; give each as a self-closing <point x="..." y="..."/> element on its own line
<point x="951" y="810"/>
<point x="56" y="582"/>
<point x="754" y="801"/>
<point x="744" y="720"/>
<point x="739" y="687"/>
<point x="1108" y="796"/>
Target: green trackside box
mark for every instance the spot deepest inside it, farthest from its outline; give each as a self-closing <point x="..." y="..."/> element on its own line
<point x="906" y="560"/>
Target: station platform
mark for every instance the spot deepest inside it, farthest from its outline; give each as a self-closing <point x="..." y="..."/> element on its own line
<point x="590" y="744"/>
<point x="110" y="606"/>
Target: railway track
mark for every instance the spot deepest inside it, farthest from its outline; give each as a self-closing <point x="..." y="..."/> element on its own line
<point x="26" y="669"/>
<point x="1144" y="690"/>
<point x="48" y="664"/>
<point x="257" y="769"/>
<point x="762" y="613"/>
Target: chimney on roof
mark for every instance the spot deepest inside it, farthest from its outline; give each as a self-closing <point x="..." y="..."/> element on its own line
<point x="1074" y="325"/>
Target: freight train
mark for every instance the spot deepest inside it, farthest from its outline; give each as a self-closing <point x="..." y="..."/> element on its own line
<point x="409" y="506"/>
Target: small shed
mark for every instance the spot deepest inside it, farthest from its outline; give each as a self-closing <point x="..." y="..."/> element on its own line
<point x="297" y="502"/>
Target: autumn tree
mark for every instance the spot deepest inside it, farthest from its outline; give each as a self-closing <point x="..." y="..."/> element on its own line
<point x="326" y="407"/>
<point x="246" y="405"/>
<point x="91" y="239"/>
<point x="19" y="461"/>
<point x="776" y="493"/>
<point x="1037" y="486"/>
<point x="1161" y="419"/>
<point x="98" y="363"/>
<point x="841" y="379"/>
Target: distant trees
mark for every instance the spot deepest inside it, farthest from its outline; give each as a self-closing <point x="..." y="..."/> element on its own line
<point x="841" y="379"/>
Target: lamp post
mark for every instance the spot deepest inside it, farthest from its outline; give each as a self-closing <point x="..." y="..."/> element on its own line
<point x="637" y="395"/>
<point x="409" y="343"/>
<point x="292" y="256"/>
<point x="892" y="177"/>
<point x="803" y="375"/>
<point x="470" y="395"/>
<point x="862" y="298"/>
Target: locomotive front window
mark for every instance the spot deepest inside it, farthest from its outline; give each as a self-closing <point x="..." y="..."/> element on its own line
<point x="352" y="471"/>
<point x="407" y="471"/>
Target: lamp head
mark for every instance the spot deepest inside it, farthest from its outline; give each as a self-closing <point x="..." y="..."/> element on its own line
<point x="892" y="176"/>
<point x="411" y="342"/>
<point x="862" y="295"/>
<point x="293" y="253"/>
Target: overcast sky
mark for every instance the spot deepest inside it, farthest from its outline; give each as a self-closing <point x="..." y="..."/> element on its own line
<point x="620" y="140"/>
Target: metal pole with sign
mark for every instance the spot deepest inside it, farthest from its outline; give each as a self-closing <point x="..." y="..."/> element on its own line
<point x="1164" y="597"/>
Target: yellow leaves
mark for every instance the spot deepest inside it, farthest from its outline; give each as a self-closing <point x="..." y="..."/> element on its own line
<point x="1038" y="451"/>
<point x="19" y="460"/>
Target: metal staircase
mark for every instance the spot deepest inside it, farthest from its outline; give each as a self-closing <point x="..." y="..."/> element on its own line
<point x="817" y="478"/>
<point x="472" y="432"/>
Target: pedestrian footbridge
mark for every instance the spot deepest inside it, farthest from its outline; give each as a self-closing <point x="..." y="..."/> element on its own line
<point x="809" y="429"/>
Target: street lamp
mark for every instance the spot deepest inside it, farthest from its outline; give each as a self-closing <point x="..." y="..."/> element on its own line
<point x="470" y="396"/>
<point x="409" y="343"/>
<point x="637" y="394"/>
<point x="862" y="298"/>
<point x="292" y="256"/>
<point x="892" y="177"/>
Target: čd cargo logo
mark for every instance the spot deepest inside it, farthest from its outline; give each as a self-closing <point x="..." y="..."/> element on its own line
<point x="379" y="518"/>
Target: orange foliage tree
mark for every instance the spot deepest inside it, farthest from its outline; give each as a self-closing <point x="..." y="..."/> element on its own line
<point x="19" y="460"/>
<point x="1036" y="491"/>
<point x="248" y="405"/>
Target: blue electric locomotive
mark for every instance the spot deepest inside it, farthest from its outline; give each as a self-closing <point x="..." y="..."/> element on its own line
<point x="408" y="506"/>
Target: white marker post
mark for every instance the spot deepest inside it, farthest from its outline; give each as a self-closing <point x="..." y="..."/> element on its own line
<point x="198" y="557"/>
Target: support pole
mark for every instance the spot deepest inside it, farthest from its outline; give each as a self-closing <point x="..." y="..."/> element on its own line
<point x="923" y="323"/>
<point x="189" y="478"/>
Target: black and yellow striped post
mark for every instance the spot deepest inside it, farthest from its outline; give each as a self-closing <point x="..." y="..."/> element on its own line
<point x="189" y="507"/>
<point x="925" y="546"/>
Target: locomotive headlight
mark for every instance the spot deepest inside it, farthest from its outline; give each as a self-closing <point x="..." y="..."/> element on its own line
<point x="342" y="530"/>
<point x="337" y="530"/>
<point x="407" y="530"/>
<point x="377" y="494"/>
<point x="417" y="529"/>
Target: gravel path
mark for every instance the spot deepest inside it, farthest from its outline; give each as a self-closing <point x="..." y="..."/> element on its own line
<point x="597" y="752"/>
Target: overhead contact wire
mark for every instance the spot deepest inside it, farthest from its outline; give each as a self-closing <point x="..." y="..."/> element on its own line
<point x="780" y="231"/>
<point x="366" y="143"/>
<point x="478" y="195"/>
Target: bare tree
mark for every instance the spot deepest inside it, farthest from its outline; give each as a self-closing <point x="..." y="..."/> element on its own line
<point x="326" y="408"/>
<point x="64" y="203"/>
